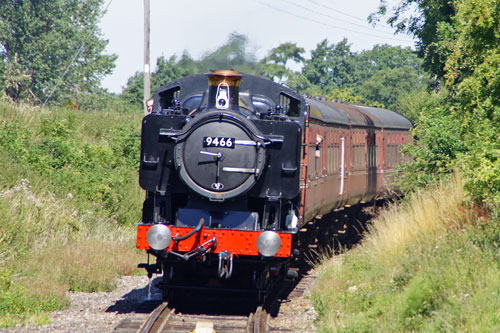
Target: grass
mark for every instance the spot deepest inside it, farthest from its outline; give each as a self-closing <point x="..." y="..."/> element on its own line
<point x="69" y="199"/>
<point x="428" y="265"/>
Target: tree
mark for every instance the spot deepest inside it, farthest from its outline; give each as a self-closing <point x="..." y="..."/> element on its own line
<point x="133" y="92"/>
<point x="385" y="87"/>
<point x="382" y="57"/>
<point x="172" y="69"/>
<point x="388" y="73"/>
<point x="231" y="55"/>
<point x="274" y="66"/>
<point x="459" y="42"/>
<point x="40" y="41"/>
<point x="330" y="66"/>
<point x="427" y="25"/>
<point x="473" y="77"/>
<point x="378" y="77"/>
<point x="166" y="70"/>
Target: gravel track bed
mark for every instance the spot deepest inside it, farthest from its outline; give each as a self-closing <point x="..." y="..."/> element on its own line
<point x="102" y="312"/>
<point x="96" y="312"/>
<point x="297" y="312"/>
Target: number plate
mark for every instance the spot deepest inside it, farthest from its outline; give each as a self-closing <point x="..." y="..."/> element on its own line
<point x="218" y="141"/>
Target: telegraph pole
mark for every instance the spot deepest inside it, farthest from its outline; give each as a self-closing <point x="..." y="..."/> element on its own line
<point x="147" y="68"/>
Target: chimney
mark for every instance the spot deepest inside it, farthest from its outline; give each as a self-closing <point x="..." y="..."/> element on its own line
<point x="223" y="89"/>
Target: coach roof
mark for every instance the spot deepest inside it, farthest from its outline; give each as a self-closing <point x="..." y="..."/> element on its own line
<point x="347" y="114"/>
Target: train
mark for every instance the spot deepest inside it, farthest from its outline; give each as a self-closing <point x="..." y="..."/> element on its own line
<point x="235" y="166"/>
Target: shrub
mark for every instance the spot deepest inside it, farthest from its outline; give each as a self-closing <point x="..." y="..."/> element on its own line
<point x="68" y="198"/>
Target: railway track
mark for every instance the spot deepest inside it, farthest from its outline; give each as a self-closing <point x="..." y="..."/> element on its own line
<point x="166" y="319"/>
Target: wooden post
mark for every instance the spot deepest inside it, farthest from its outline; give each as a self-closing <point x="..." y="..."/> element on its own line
<point x="147" y="68"/>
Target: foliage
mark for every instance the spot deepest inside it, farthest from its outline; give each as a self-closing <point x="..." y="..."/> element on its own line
<point x="42" y="40"/>
<point x="68" y="198"/>
<point x="133" y="93"/>
<point x="436" y="146"/>
<point x="172" y="69"/>
<point x="387" y="87"/>
<point x="429" y="265"/>
<point x="425" y="20"/>
<point x="379" y="77"/>
<point x="387" y="74"/>
<point x="274" y="66"/>
<point x="96" y="168"/>
<point x="461" y="130"/>
<point x="330" y="66"/>
<point x="383" y="56"/>
<point x="473" y="78"/>
<point x="346" y="95"/>
<point x="166" y="70"/>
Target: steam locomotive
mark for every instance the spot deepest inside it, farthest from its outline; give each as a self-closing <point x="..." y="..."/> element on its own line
<point x="236" y="167"/>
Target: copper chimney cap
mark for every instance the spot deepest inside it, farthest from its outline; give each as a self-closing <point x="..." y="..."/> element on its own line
<point x="231" y="77"/>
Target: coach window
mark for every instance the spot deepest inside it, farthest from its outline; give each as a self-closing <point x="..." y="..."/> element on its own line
<point x="378" y="156"/>
<point x="336" y="159"/>
<point x="388" y="156"/>
<point x="330" y="159"/>
<point x="372" y="156"/>
<point x="318" y="161"/>
<point x="359" y="156"/>
<point x="391" y="154"/>
<point x="312" y="161"/>
<point x="353" y="158"/>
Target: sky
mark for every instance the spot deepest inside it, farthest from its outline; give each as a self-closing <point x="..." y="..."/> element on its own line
<point x="200" y="26"/>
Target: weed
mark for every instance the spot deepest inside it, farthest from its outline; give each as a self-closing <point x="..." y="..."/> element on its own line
<point x="420" y="300"/>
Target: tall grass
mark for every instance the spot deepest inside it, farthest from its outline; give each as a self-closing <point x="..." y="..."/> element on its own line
<point x="428" y="265"/>
<point x="68" y="202"/>
<point x="429" y="214"/>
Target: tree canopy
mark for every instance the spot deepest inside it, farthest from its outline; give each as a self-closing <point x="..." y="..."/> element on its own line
<point x="232" y="54"/>
<point x="459" y="42"/>
<point x="381" y="76"/>
<point x="330" y="66"/>
<point x="422" y="19"/>
<point x="45" y="43"/>
<point x="274" y="65"/>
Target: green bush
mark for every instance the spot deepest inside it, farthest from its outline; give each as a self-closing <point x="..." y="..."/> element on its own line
<point x="97" y="165"/>
<point x="69" y="197"/>
<point x="437" y="144"/>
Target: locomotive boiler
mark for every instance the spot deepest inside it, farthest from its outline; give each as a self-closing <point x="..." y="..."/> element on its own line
<point x="235" y="165"/>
